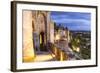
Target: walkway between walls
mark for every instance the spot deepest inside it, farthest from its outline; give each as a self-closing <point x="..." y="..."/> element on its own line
<point x="44" y="57"/>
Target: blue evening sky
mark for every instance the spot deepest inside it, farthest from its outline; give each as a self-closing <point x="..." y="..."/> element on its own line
<point x="72" y="20"/>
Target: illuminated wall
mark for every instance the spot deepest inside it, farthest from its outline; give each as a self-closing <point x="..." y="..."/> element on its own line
<point x="35" y="22"/>
<point x="28" y="51"/>
<point x="52" y="32"/>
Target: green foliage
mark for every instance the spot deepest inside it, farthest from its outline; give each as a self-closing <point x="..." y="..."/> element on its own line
<point x="86" y="53"/>
<point x="81" y="42"/>
<point x="75" y="41"/>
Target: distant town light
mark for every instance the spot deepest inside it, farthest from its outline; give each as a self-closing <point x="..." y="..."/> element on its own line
<point x="78" y="49"/>
<point x="57" y="37"/>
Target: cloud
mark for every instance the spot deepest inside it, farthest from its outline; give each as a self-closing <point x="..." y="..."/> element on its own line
<point x="73" y="15"/>
<point x="57" y="17"/>
<point x="73" y="20"/>
<point x="79" y="28"/>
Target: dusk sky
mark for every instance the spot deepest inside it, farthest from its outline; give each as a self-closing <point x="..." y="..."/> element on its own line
<point x="73" y="20"/>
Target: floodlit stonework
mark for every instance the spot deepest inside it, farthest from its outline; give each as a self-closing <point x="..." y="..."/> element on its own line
<point x="37" y="27"/>
<point x="28" y="51"/>
<point x="38" y="33"/>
